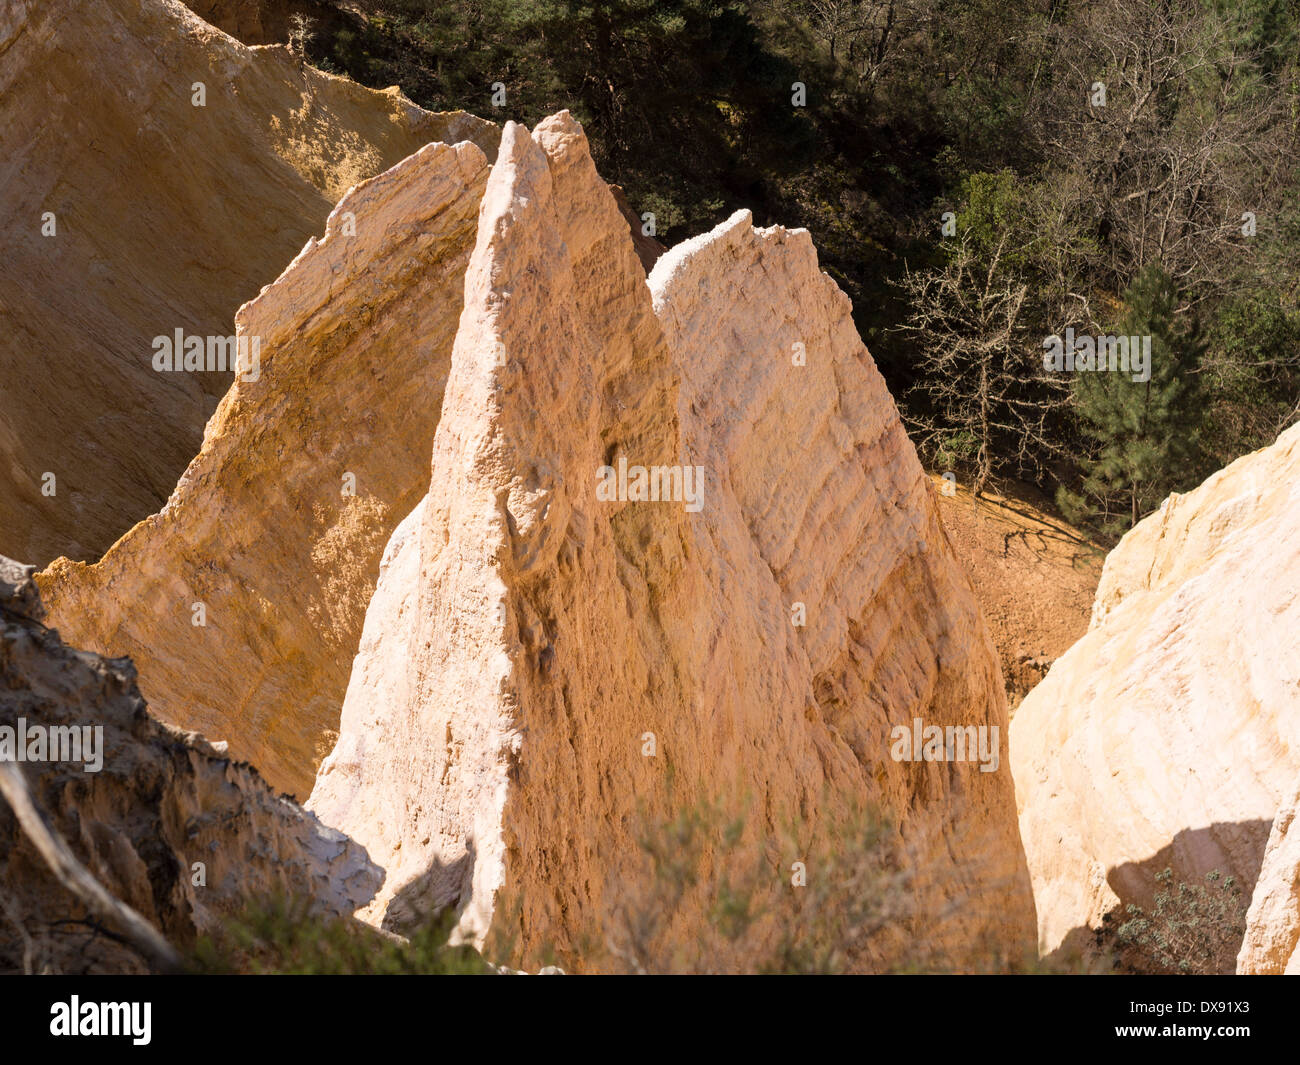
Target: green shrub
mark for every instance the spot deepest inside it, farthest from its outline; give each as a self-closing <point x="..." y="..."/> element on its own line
<point x="283" y="936"/>
<point x="1191" y="928"/>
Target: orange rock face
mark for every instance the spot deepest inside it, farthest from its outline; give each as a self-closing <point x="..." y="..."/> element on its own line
<point x="619" y="543"/>
<point x="241" y="602"/>
<point x="162" y="204"/>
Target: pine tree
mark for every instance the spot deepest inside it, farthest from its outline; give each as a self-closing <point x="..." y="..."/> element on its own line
<point x="1145" y="435"/>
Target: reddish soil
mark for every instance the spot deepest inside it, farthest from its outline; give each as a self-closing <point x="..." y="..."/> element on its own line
<point x="1034" y="575"/>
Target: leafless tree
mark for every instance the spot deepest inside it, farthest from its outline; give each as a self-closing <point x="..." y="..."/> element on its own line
<point x="1182" y="147"/>
<point x="865" y="35"/>
<point x="977" y="324"/>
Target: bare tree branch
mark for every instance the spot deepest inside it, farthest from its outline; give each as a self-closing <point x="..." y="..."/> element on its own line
<point x="77" y="878"/>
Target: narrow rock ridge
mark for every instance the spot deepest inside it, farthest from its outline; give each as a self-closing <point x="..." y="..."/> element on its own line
<point x="261" y="530"/>
<point x="127" y="216"/>
<point x="168" y="823"/>
<point x="1271" y="946"/>
<point x="527" y="635"/>
<point x="1167" y="736"/>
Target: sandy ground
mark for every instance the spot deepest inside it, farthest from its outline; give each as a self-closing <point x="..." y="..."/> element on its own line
<point x="1034" y="575"/>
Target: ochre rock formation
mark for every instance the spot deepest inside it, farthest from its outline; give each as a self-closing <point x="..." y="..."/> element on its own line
<point x="277" y="527"/>
<point x="529" y="636"/>
<point x="1168" y="735"/>
<point x="162" y="215"/>
<point x="160" y="802"/>
<point x="1271" y="945"/>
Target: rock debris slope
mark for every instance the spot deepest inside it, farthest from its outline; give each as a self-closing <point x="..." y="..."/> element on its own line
<point x="160" y="801"/>
<point x="161" y="215"/>
<point x="529" y="633"/>
<point x="1168" y="735"/>
<point x="276" y="529"/>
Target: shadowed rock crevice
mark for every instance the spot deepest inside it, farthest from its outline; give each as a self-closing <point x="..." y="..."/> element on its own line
<point x="1231" y="849"/>
<point x="424" y="897"/>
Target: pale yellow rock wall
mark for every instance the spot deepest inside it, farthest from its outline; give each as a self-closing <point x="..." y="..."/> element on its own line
<point x="1271" y="946"/>
<point x="1170" y="734"/>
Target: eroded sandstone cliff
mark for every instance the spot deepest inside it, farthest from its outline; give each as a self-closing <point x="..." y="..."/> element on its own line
<point x="241" y="602"/>
<point x="531" y="638"/>
<point x="1167" y="736"/>
<point x="157" y="174"/>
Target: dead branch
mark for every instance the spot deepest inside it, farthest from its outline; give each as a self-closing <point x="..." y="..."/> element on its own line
<point x="77" y="878"/>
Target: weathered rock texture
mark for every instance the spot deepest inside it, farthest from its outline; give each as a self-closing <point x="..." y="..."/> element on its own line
<point x="257" y="21"/>
<point x="167" y="215"/>
<point x="162" y="801"/>
<point x="1272" y="942"/>
<point x="1168" y="735"/>
<point x="526" y="635"/>
<point x="278" y="525"/>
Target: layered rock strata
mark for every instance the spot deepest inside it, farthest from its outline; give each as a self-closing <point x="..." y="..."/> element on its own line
<point x="241" y="601"/>
<point x="157" y="173"/>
